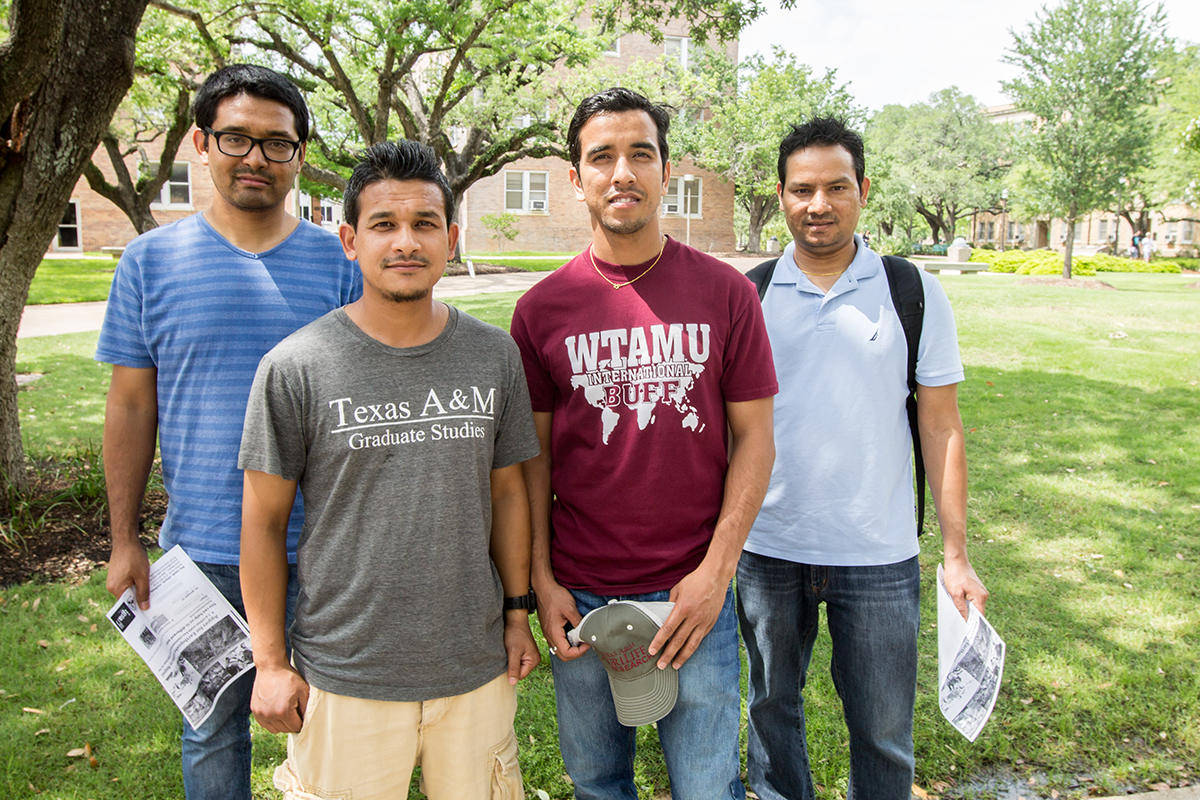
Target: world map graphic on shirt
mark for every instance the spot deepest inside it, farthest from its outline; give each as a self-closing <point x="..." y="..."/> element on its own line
<point x="640" y="371"/>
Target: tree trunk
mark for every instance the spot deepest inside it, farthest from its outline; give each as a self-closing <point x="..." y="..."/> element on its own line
<point x="134" y="196"/>
<point x="762" y="210"/>
<point x="53" y="133"/>
<point x="1072" y="214"/>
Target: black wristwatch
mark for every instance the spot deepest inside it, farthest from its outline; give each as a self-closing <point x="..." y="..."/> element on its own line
<point x="525" y="601"/>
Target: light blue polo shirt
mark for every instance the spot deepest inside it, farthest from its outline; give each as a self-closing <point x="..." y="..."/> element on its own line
<point x="841" y="491"/>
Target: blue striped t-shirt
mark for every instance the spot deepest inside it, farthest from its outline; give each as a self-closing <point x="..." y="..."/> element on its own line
<point x="203" y="312"/>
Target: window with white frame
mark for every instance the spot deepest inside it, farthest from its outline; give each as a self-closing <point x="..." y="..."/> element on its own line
<point x="1079" y="231"/>
<point x="683" y="50"/>
<point x="177" y="190"/>
<point x="522" y="121"/>
<point x="1103" y="230"/>
<point x="68" y="229"/>
<point x="1188" y="231"/>
<point x="613" y="49"/>
<point x="1172" y="231"/>
<point x="526" y="192"/>
<point x="683" y="197"/>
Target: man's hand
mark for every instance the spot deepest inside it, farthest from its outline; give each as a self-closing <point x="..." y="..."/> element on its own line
<point x="523" y="653"/>
<point x="964" y="586"/>
<point x="279" y="698"/>
<point x="556" y="610"/>
<point x="128" y="566"/>
<point x="698" y="600"/>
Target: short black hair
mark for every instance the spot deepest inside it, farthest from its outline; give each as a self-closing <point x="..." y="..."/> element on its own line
<point x="614" y="101"/>
<point x="404" y="160"/>
<point x="823" y="132"/>
<point x="256" y="81"/>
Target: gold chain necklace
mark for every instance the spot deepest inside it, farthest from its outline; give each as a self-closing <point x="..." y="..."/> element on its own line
<point x="822" y="274"/>
<point x="615" y="285"/>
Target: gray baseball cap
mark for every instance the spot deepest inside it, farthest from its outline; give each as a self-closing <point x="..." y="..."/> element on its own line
<point x="620" y="633"/>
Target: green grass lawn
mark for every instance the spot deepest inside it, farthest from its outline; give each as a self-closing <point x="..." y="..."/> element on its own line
<point x="1084" y="445"/>
<point x="527" y="264"/>
<point x="62" y="280"/>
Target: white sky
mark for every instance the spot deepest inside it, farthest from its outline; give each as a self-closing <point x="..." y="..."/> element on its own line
<point x="895" y="52"/>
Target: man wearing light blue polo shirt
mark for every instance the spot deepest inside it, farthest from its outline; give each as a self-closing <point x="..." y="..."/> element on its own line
<point x="837" y="525"/>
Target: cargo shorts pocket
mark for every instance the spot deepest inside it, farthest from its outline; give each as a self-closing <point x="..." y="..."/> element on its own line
<point x="506" y="771"/>
<point x="288" y="782"/>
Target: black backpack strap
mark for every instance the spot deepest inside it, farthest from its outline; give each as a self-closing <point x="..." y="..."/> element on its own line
<point x="761" y="274"/>
<point x="908" y="296"/>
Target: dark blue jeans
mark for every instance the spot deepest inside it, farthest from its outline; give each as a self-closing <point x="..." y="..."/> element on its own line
<point x="216" y="756"/>
<point x="699" y="737"/>
<point x="874" y="614"/>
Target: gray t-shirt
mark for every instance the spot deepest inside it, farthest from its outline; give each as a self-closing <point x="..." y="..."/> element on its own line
<point x="393" y="449"/>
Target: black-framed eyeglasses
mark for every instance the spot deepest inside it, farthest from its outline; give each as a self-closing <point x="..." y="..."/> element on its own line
<point x="237" y="145"/>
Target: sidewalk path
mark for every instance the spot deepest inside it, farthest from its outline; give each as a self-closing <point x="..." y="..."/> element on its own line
<point x="51" y="320"/>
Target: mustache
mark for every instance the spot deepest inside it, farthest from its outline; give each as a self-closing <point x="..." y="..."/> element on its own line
<point x="263" y="175"/>
<point x="395" y="260"/>
<point x="635" y="192"/>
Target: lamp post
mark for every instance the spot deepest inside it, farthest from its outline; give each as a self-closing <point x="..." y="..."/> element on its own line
<point x="1003" y="218"/>
<point x="687" y="209"/>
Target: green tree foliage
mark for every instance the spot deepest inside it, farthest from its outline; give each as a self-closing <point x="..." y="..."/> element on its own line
<point x="1088" y="77"/>
<point x="740" y="138"/>
<point x="1175" y="172"/>
<point x="476" y="81"/>
<point x="504" y="227"/>
<point x="944" y="161"/>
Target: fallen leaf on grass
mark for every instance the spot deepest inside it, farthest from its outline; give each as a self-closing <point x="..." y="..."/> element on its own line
<point x="919" y="792"/>
<point x="42" y="643"/>
<point x="119" y="672"/>
<point x="1164" y="483"/>
<point x="42" y="731"/>
<point x="33" y="711"/>
<point x="1026" y="701"/>
<point x="93" y="629"/>
<point x="1152" y="461"/>
<point x="1105" y="685"/>
<point x="37" y="602"/>
<point x="62" y="665"/>
<point x="1054" y="794"/>
<point x="1179" y="556"/>
<point x="1160" y="787"/>
<point x="76" y="753"/>
<point x="1118" y="573"/>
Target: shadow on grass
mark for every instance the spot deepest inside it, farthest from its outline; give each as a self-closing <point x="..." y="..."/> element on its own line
<point x="1083" y="526"/>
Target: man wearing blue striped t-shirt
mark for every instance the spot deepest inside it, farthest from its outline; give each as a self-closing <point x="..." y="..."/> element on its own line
<point x="194" y="306"/>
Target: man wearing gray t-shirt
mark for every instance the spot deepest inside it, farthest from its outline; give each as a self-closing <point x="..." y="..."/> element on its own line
<point x="403" y="421"/>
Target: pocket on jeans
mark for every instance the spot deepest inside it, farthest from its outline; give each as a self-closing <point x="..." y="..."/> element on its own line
<point x="506" y="771"/>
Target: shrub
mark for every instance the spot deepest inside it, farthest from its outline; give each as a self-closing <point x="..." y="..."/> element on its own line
<point x="1048" y="262"/>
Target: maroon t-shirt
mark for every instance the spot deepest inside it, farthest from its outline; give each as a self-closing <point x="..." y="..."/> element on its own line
<point x="637" y="379"/>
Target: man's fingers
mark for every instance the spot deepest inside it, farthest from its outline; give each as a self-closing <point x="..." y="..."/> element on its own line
<point x="141" y="584"/>
<point x="663" y="637"/>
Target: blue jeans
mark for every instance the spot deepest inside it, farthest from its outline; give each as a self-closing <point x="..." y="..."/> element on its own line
<point x="216" y="756"/>
<point x="699" y="737"/>
<point x="874" y="615"/>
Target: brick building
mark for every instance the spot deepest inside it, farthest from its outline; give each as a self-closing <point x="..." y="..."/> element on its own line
<point x="1174" y="228"/>
<point x="697" y="209"/>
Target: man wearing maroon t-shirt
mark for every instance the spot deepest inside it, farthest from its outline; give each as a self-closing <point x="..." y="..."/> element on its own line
<point x="652" y="381"/>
